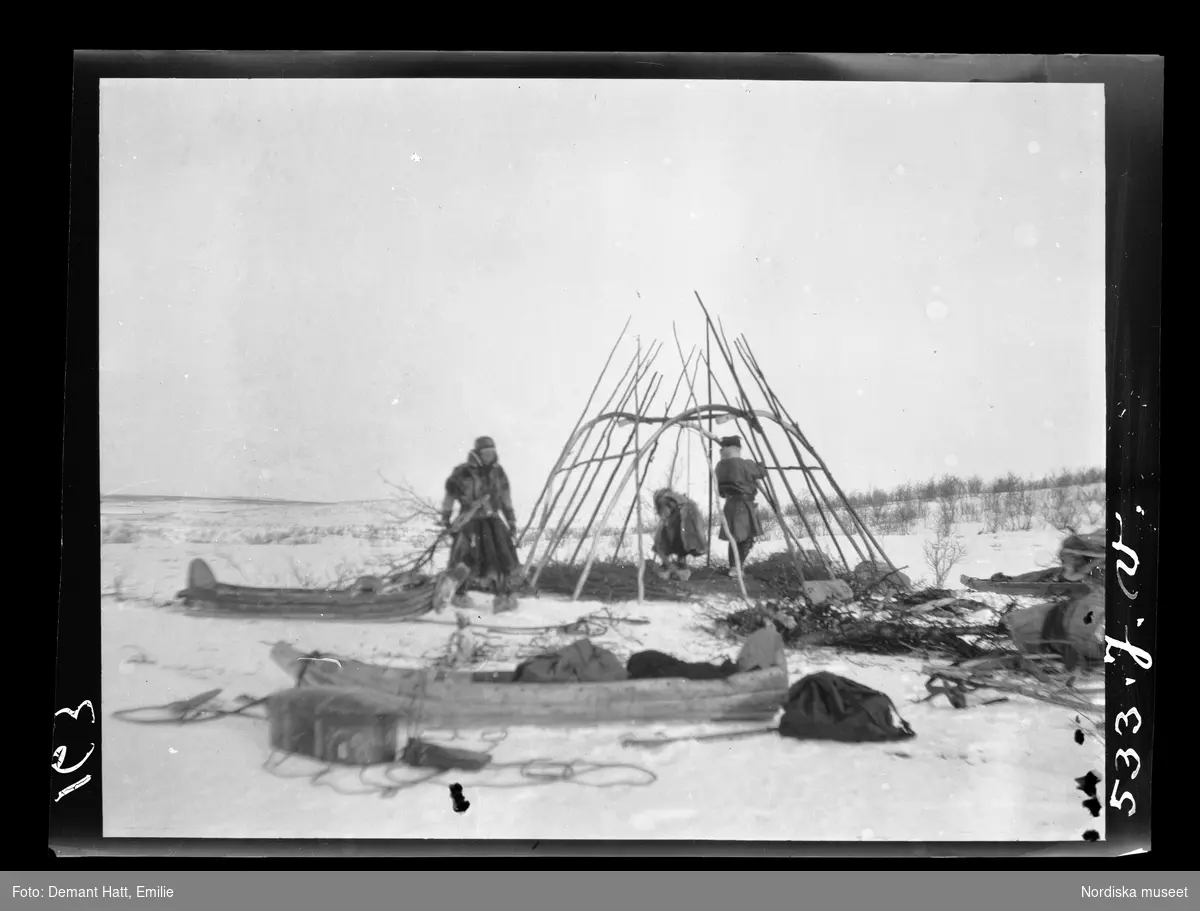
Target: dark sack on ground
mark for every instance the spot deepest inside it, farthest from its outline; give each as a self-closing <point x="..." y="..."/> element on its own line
<point x="825" y="706"/>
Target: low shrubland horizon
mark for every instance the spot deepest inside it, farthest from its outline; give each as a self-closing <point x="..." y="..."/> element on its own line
<point x="1066" y="500"/>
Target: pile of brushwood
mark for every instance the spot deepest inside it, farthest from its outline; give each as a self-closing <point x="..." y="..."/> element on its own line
<point x="927" y="622"/>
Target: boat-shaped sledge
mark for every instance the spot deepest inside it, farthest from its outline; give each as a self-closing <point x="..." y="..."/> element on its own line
<point x="368" y="599"/>
<point x="465" y="699"/>
<point x="1052" y="585"/>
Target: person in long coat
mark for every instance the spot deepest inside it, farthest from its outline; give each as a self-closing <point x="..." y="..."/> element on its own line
<point x="736" y="482"/>
<point x="681" y="532"/>
<point x="482" y="542"/>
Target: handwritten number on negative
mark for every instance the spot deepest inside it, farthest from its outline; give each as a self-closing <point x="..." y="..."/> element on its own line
<point x="1124" y="716"/>
<point x="1113" y="802"/>
<point x="60" y="756"/>
<point x="60" y="752"/>
<point x="1126" y="754"/>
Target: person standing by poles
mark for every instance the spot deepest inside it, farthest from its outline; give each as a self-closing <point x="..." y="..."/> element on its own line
<point x="736" y="479"/>
<point x="483" y="544"/>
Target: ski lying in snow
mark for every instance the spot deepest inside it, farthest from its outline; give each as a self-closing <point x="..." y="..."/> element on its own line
<point x="652" y="742"/>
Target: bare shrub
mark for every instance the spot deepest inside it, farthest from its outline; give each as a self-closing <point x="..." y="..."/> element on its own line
<point x="946" y="515"/>
<point x="941" y="556"/>
<point x="970" y="511"/>
<point x="1007" y="484"/>
<point x="974" y="485"/>
<point x="1062" y="507"/>
<point x="995" y="517"/>
<point x="1021" y="507"/>
<point x="904" y="517"/>
<point x="877" y="504"/>
<point x="948" y="486"/>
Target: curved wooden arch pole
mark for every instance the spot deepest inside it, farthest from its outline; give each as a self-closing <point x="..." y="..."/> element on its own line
<point x="612" y="505"/>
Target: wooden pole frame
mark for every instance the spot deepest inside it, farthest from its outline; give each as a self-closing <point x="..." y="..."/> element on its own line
<point x="605" y="439"/>
<point x="570" y="444"/>
<point x="581" y="437"/>
<point x="825" y="469"/>
<point x="582" y="416"/>
<point x="637" y="501"/>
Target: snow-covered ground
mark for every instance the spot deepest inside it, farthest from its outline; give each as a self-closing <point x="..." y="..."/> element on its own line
<point x="999" y="772"/>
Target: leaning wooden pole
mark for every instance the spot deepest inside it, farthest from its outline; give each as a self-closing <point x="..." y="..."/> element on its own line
<point x="721" y="347"/>
<point x="641" y="480"/>
<point x="829" y="476"/>
<point x="555" y="536"/>
<point x="708" y="369"/>
<point x="639" y="416"/>
<point x="812" y="535"/>
<point x="605" y="441"/>
<point x="637" y="498"/>
<point x="712" y="475"/>
<point x="572" y="443"/>
<point x="793" y="546"/>
<point x="814" y="487"/>
<point x="772" y="403"/>
<point x="582" y="416"/>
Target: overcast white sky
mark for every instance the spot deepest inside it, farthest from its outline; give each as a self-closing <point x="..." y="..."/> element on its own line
<point x="304" y="282"/>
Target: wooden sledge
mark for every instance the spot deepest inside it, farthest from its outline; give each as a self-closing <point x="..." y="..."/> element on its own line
<point x="465" y="699"/>
<point x="368" y="599"/>
<point x="1000" y="674"/>
<point x="1043" y="589"/>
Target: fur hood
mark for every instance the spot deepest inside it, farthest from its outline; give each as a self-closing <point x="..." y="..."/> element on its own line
<point x="669" y="497"/>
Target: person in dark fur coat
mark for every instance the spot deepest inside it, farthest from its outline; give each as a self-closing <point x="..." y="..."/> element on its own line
<point x="483" y="543"/>
<point x="736" y="482"/>
<point x="681" y="532"/>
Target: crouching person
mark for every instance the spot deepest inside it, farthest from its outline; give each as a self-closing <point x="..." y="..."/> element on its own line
<point x="483" y="544"/>
<point x="681" y="533"/>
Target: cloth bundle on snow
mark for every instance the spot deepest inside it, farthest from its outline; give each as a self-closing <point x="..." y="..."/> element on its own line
<point x="762" y="649"/>
<point x="824" y="706"/>
<point x="651" y="664"/>
<point x="1073" y="629"/>
<point x="579" y="662"/>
